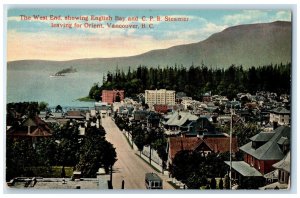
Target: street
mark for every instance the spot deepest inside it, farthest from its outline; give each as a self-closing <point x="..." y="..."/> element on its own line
<point x="129" y="167"/>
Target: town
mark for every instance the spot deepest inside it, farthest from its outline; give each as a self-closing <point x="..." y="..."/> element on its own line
<point x="212" y="143"/>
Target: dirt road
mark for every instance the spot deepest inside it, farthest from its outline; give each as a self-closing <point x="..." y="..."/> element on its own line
<point x="128" y="166"/>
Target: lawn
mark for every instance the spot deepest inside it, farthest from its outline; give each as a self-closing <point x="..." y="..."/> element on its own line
<point x="53" y="173"/>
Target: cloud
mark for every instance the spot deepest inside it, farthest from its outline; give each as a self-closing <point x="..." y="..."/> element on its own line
<point x="246" y="16"/>
<point x="257" y="16"/>
<point x="283" y="15"/>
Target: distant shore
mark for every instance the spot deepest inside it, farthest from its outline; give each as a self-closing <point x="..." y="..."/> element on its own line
<point x="86" y="99"/>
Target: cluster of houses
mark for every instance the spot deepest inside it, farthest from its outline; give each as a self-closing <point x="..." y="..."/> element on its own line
<point x="39" y="126"/>
<point x="192" y="125"/>
<point x="195" y="125"/>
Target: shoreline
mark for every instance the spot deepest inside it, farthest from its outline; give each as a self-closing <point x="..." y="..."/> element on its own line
<point x="85" y="99"/>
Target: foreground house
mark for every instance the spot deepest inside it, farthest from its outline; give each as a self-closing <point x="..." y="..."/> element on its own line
<point x="283" y="169"/>
<point x="204" y="145"/>
<point x="31" y="128"/>
<point x="261" y="153"/>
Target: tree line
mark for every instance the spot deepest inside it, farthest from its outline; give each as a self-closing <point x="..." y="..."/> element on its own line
<point x="197" y="80"/>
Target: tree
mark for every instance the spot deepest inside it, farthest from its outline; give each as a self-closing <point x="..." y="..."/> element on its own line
<point x="69" y="144"/>
<point x="95" y="152"/>
<point x="58" y="108"/>
<point x="20" y="158"/>
<point x="139" y="141"/>
<point x="227" y="182"/>
<point x="252" y="182"/>
<point x="221" y="184"/>
<point x="213" y="183"/>
<point x="43" y="106"/>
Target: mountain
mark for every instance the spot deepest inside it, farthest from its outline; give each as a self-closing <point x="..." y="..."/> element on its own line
<point x="247" y="45"/>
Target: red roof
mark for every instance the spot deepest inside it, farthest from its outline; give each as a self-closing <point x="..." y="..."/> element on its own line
<point x="182" y="143"/>
<point x="37" y="128"/>
<point x="40" y="132"/>
<point x="221" y="144"/>
<point x="216" y="144"/>
<point x="161" y="108"/>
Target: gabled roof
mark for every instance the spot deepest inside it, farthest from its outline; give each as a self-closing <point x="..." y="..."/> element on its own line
<point x="262" y="137"/>
<point x="283" y="141"/>
<point x="30" y="122"/>
<point x="270" y="150"/>
<point x="179" y="118"/>
<point x="40" y="132"/>
<point x="215" y="144"/>
<point x="244" y="169"/>
<point x="37" y="128"/>
<point x="284" y="164"/>
<point x="179" y="143"/>
<point x="280" y="110"/>
<point x="221" y="144"/>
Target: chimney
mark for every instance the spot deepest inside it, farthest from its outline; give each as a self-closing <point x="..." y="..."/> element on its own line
<point x="28" y="130"/>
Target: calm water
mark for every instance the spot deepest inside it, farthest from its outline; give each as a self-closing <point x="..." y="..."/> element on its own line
<point x="38" y="86"/>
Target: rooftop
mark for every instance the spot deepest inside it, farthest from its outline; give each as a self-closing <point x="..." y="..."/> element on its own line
<point x="284" y="164"/>
<point x="270" y="150"/>
<point x="153" y="177"/>
<point x="280" y="110"/>
<point x="216" y="144"/>
<point x="61" y="183"/>
<point x="179" y="118"/>
<point x="244" y="169"/>
<point x="262" y="137"/>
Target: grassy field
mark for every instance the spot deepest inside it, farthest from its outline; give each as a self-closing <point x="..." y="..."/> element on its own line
<point x="53" y="173"/>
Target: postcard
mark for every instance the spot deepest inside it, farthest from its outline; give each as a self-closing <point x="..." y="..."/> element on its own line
<point x="142" y="99"/>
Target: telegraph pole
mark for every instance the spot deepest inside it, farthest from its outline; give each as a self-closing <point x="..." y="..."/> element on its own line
<point x="230" y="145"/>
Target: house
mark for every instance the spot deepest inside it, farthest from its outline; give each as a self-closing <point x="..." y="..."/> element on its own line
<point x="207" y="97"/>
<point x="140" y="115"/>
<point x="280" y="116"/>
<point x="186" y="102"/>
<point x="261" y="153"/>
<point x="76" y="115"/>
<point x="179" y="97"/>
<point x="153" y="120"/>
<point x="204" y="145"/>
<point x="31" y="127"/>
<point x="56" y="115"/>
<point x="283" y="169"/>
<point x="177" y="120"/>
<point x="201" y="126"/>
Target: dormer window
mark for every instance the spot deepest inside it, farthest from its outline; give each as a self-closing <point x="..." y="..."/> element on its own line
<point x="284" y="144"/>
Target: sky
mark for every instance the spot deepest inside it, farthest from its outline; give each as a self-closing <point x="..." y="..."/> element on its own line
<point x="36" y="39"/>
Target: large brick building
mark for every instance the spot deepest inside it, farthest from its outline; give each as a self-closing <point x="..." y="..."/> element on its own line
<point x="160" y="97"/>
<point x="111" y="96"/>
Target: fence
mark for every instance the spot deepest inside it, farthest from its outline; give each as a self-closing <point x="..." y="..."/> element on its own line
<point x="155" y="159"/>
